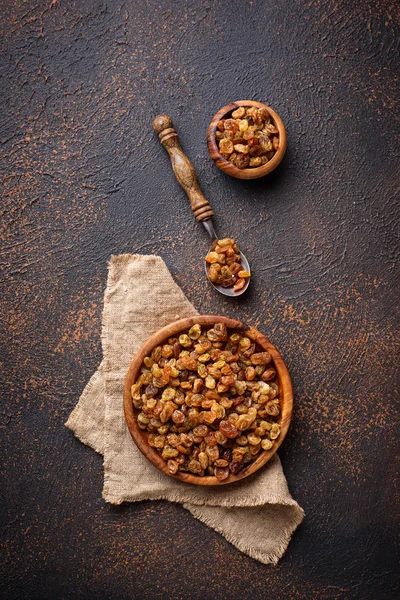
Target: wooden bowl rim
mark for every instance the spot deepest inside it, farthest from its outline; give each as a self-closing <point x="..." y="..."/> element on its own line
<point x="227" y="167"/>
<point x="285" y="396"/>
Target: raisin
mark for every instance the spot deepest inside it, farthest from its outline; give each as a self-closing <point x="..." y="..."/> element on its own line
<point x="226" y="146"/>
<point x="239" y="285"/>
<point x="265" y="143"/>
<point x="264" y="114"/>
<point x="241" y="148"/>
<point x="242" y="160"/>
<point x="228" y="429"/>
<point x="235" y="467"/>
<point x="173" y="466"/>
<point x="270" y="128"/>
<point x="221" y="473"/>
<point x="256" y="150"/>
<point x="268" y="375"/>
<point x="261" y="358"/>
<point x="227" y="454"/>
<point x="239" y="113"/>
<point x="231" y="125"/>
<point x="151" y="390"/>
<point x="253" y="142"/>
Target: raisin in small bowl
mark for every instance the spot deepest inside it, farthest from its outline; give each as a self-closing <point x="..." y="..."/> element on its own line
<point x="246" y="139"/>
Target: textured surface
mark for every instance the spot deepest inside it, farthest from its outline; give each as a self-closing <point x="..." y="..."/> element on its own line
<point x="84" y="177"/>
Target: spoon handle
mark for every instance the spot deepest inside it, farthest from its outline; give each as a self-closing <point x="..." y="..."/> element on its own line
<point x="183" y="168"/>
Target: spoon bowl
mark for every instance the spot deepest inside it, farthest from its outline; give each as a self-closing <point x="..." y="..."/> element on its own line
<point x="209" y="227"/>
<point x="230" y="291"/>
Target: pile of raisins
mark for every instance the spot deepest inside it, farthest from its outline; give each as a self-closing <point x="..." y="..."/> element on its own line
<point x="208" y="401"/>
<point x="249" y="138"/>
<point x="225" y="268"/>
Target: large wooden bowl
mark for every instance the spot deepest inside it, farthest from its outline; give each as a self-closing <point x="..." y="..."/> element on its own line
<point x="285" y="396"/>
<point x="250" y="172"/>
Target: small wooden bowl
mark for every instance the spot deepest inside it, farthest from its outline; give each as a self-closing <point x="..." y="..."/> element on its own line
<point x="229" y="168"/>
<point x="160" y="337"/>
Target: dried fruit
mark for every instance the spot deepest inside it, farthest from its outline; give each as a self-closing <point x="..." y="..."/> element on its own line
<point x="173" y="466"/>
<point x="248" y="131"/>
<point x="167" y="351"/>
<point x="194" y="466"/>
<point x="231" y="125"/>
<point x="239" y="285"/>
<point x="268" y="375"/>
<point x="178" y="417"/>
<point x="242" y="161"/>
<point x="235" y="467"/>
<point x="169" y="452"/>
<point x="239" y="113"/>
<point x="266" y="444"/>
<point x="212" y="257"/>
<point x="275" y="431"/>
<point x="200" y="430"/>
<point x="221" y="473"/>
<point x="228" y="429"/>
<point x="210" y="382"/>
<point x="195" y="332"/>
<point x="244" y="149"/>
<point x="264" y="114"/>
<point x="204" y="399"/>
<point x="212" y="453"/>
<point x="203" y="459"/>
<point x="260" y="358"/>
<point x="225" y="263"/>
<point x="270" y="128"/>
<point x="226" y="146"/>
<point x="265" y="143"/>
<point x="188" y="362"/>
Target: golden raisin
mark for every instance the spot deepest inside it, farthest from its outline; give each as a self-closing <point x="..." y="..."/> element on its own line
<point x="224" y="427"/>
<point x="264" y="114"/>
<point x="239" y="285"/>
<point x="231" y="125"/>
<point x="275" y="431"/>
<point x="270" y="128"/>
<point x="266" y="444"/>
<point x="268" y="375"/>
<point x="228" y="429"/>
<point x="226" y="146"/>
<point x="255" y="161"/>
<point x="261" y="358"/>
<point x="194" y="466"/>
<point x="244" y="149"/>
<point x="173" y="466"/>
<point x="195" y="332"/>
<point x="238" y="113"/>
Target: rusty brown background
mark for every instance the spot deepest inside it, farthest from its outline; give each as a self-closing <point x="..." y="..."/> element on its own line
<point x="85" y="177"/>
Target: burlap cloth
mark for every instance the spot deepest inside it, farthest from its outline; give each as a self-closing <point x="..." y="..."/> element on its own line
<point x="257" y="515"/>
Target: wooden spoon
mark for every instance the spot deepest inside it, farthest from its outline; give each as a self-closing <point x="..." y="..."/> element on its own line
<point x="186" y="176"/>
